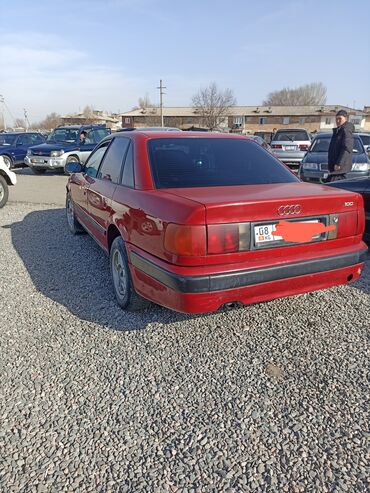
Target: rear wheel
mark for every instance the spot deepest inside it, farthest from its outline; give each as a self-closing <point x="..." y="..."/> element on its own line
<point x="38" y="171"/>
<point x="4" y="191"/>
<point x="8" y="162"/>
<point x="73" y="225"/>
<point x="126" y="296"/>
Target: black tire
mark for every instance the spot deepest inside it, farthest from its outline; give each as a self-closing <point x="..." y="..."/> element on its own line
<point x="126" y="296"/>
<point x="38" y="171"/>
<point x="70" y="159"/>
<point x="4" y="191"/>
<point x="73" y="225"/>
<point x="8" y="162"/>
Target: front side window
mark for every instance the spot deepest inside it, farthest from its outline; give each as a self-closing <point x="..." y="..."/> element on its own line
<point x="93" y="163"/>
<point x="26" y="139"/>
<point x="187" y="162"/>
<point x="111" y="168"/>
<point x="96" y="135"/>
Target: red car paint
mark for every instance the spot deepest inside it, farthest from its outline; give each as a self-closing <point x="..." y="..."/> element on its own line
<point x="198" y="281"/>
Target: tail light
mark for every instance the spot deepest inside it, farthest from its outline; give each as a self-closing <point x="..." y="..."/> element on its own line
<point x="347" y="224"/>
<point x="228" y="238"/>
<point x="360" y="220"/>
<point x="276" y="146"/>
<point x="223" y="238"/>
<point x="304" y="147"/>
<point x="185" y="240"/>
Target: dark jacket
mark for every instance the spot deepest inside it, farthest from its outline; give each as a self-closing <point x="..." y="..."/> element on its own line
<point x="340" y="149"/>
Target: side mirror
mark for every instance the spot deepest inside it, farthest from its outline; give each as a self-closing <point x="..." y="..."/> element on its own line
<point x="73" y="167"/>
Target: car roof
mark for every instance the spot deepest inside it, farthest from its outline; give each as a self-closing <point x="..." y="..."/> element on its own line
<point x="18" y="133"/>
<point x="291" y="130"/>
<point x="326" y="135"/>
<point x="180" y="135"/>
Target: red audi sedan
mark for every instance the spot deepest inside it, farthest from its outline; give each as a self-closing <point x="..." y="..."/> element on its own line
<point x="197" y="222"/>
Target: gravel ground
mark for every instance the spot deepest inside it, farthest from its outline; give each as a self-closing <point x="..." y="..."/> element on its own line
<point x="270" y="398"/>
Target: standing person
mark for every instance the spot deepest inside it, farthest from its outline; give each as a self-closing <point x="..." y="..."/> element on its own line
<point x="340" y="148"/>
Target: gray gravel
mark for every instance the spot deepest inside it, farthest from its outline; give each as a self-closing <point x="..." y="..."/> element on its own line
<point x="269" y="398"/>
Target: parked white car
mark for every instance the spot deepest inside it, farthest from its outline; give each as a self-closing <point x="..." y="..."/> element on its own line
<point x="7" y="178"/>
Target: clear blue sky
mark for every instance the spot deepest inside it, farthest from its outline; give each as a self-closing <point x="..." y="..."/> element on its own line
<point x="63" y="55"/>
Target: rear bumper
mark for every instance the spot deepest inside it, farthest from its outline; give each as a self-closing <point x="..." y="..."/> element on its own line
<point x="205" y="293"/>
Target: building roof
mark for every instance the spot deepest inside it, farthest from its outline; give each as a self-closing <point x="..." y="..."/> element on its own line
<point x="93" y="116"/>
<point x="248" y="111"/>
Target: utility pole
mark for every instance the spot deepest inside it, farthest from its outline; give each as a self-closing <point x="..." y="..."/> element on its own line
<point x="26" y="119"/>
<point x="161" y="87"/>
<point x="2" y="102"/>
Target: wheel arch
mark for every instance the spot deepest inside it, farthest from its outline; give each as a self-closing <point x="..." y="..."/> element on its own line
<point x="113" y="232"/>
<point x="7" y="179"/>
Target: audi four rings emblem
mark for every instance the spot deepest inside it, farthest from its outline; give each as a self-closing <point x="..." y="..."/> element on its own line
<point x="286" y="210"/>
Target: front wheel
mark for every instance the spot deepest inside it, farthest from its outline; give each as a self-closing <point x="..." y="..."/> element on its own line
<point x="125" y="293"/>
<point x="4" y="191"/>
<point x="8" y="162"/>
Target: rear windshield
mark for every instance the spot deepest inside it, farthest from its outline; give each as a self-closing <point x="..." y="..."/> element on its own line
<point x="290" y="135"/>
<point x="321" y="144"/>
<point x="199" y="162"/>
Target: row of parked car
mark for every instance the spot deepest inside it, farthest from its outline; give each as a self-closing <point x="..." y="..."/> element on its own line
<point x="63" y="145"/>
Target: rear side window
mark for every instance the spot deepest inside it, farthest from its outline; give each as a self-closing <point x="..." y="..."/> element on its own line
<point x="128" y="171"/>
<point x="291" y="135"/>
<point x="111" y="168"/>
<point x="198" y="162"/>
<point x="365" y="139"/>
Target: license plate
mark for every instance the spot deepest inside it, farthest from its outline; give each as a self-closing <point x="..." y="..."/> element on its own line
<point x="37" y="160"/>
<point x="263" y="233"/>
<point x="290" y="148"/>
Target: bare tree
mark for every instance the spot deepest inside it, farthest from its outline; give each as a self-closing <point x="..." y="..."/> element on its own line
<point x="144" y="103"/>
<point x="308" y="94"/>
<point x="89" y="114"/>
<point x="51" y="121"/>
<point x="19" y="123"/>
<point x="213" y="105"/>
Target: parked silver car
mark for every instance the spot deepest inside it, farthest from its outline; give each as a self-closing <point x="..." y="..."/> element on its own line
<point x="290" y="145"/>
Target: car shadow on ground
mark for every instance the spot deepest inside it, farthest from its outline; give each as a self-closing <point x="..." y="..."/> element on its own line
<point x="73" y="271"/>
<point x="28" y="171"/>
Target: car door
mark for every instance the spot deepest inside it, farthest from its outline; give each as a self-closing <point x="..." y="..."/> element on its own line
<point x="80" y="182"/>
<point x="101" y="189"/>
<point x="22" y="144"/>
<point x="366" y="196"/>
